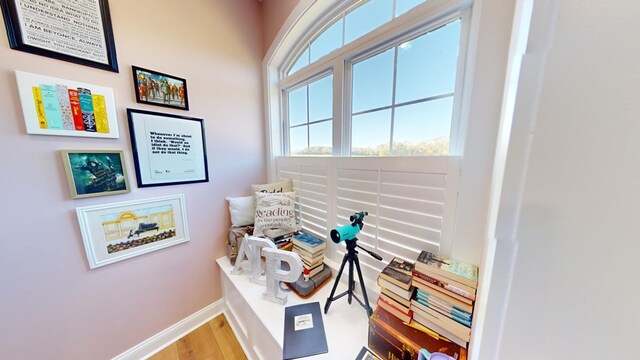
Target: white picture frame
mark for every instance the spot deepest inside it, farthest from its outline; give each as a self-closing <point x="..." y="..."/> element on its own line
<point x="38" y="109"/>
<point x="118" y="231"/>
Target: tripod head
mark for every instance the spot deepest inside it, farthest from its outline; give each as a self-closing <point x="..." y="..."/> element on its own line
<point x="348" y="233"/>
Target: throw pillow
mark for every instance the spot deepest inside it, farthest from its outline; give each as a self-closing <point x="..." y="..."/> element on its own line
<point x="241" y="210"/>
<point x="274" y="211"/>
<point x="277" y="187"/>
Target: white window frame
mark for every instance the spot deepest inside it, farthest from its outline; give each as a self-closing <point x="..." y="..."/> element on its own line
<point x="422" y="19"/>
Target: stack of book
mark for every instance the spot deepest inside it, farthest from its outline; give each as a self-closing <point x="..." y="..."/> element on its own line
<point x="280" y="237"/>
<point x="396" y="292"/>
<point x="311" y="250"/>
<point x="445" y="295"/>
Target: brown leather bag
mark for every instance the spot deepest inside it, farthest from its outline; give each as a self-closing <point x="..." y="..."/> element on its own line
<point x="234" y="239"/>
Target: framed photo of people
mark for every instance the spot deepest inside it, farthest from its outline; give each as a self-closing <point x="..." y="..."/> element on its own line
<point x="77" y="31"/>
<point x="95" y="172"/>
<point x="167" y="149"/>
<point x="117" y="231"/>
<point x="156" y="88"/>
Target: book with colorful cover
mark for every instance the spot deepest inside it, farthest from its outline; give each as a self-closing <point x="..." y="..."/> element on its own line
<point x="401" y="265"/>
<point x="466" y="305"/>
<point x="394" y="276"/>
<point x="442" y="320"/>
<point x="443" y="306"/>
<point x="453" y="269"/>
<point x="76" y="112"/>
<point x="450" y="285"/>
<point x="309" y="242"/>
<point x="452" y="313"/>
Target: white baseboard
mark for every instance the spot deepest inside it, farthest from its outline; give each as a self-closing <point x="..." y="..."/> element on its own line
<point x="174" y="332"/>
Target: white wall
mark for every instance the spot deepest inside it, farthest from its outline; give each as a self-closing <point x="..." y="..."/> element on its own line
<point x="575" y="250"/>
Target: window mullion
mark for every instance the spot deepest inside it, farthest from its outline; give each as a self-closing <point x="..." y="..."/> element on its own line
<point x="393" y="98"/>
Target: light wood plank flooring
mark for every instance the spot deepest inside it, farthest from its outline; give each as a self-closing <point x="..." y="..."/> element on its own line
<point x="212" y="341"/>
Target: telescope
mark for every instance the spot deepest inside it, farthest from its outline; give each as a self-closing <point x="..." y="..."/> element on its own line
<point x="348" y="232"/>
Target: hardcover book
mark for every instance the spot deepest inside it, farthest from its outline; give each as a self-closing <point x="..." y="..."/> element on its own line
<point x="389" y="338"/>
<point x="448" y="296"/>
<point x="418" y="318"/>
<point x="395" y="309"/>
<point x="406" y="294"/>
<point x="401" y="265"/>
<point x="309" y="242"/>
<point x="450" y="285"/>
<point x="396" y="297"/>
<point x="447" y="323"/>
<point x="396" y="277"/>
<point x="453" y="269"/>
<point x="303" y="331"/>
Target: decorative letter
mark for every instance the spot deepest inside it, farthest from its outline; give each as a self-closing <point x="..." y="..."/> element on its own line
<point x="255" y="246"/>
<point x="275" y="274"/>
<point x="240" y="265"/>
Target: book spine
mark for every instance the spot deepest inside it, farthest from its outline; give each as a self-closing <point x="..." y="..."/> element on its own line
<point x="427" y="298"/>
<point x="51" y="107"/>
<point x="392" y="303"/>
<point x="452" y="269"/>
<point x="65" y="107"/>
<point x="393" y="280"/>
<point x="449" y="324"/>
<point x="100" y="112"/>
<point x="453" y="298"/>
<point x="86" y="105"/>
<point x="76" y="112"/>
<point x="445" y="285"/>
<point x="417" y="317"/>
<point x="390" y="294"/>
<point x="37" y="98"/>
<point x="458" y="317"/>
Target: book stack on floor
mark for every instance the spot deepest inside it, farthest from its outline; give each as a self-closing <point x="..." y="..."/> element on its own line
<point x="445" y="295"/>
<point x="396" y="292"/>
<point x="311" y="250"/>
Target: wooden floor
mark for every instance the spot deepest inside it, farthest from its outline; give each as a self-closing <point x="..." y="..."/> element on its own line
<point x="212" y="341"/>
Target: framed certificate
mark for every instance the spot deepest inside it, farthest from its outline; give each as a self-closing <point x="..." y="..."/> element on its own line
<point x="167" y="149"/>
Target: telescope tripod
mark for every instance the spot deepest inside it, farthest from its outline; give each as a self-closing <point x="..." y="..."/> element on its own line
<point x="352" y="257"/>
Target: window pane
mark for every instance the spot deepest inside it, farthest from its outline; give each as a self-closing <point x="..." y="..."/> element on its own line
<point x="321" y="99"/>
<point x="320" y="138"/>
<point x="423" y="128"/>
<point x="327" y="41"/>
<point x="402" y="6"/>
<point x="373" y="82"/>
<point x="303" y="60"/>
<point x="366" y="17"/>
<point x="427" y="64"/>
<point x="298" y="106"/>
<point x="298" y="140"/>
<point x="370" y="133"/>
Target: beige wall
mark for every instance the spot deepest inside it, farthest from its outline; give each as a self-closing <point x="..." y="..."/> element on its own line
<point x="51" y="305"/>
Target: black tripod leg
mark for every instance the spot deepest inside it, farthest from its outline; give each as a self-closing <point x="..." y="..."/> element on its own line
<point x="364" y="290"/>
<point x="335" y="285"/>
<point x="352" y="283"/>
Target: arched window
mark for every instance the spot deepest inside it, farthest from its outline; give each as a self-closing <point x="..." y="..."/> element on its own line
<point x="363" y="110"/>
<point x="375" y="80"/>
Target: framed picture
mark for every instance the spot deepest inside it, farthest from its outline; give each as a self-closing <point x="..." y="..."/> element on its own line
<point x="167" y="149"/>
<point x="53" y="106"/>
<point x="155" y="88"/>
<point x="118" y="231"/>
<point x="95" y="173"/>
<point x="78" y="31"/>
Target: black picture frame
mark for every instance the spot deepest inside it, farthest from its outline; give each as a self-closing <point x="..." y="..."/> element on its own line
<point x="148" y="86"/>
<point x="75" y="33"/>
<point x="167" y="149"/>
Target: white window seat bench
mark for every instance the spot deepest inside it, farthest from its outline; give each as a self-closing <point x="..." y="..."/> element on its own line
<point x="259" y="324"/>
